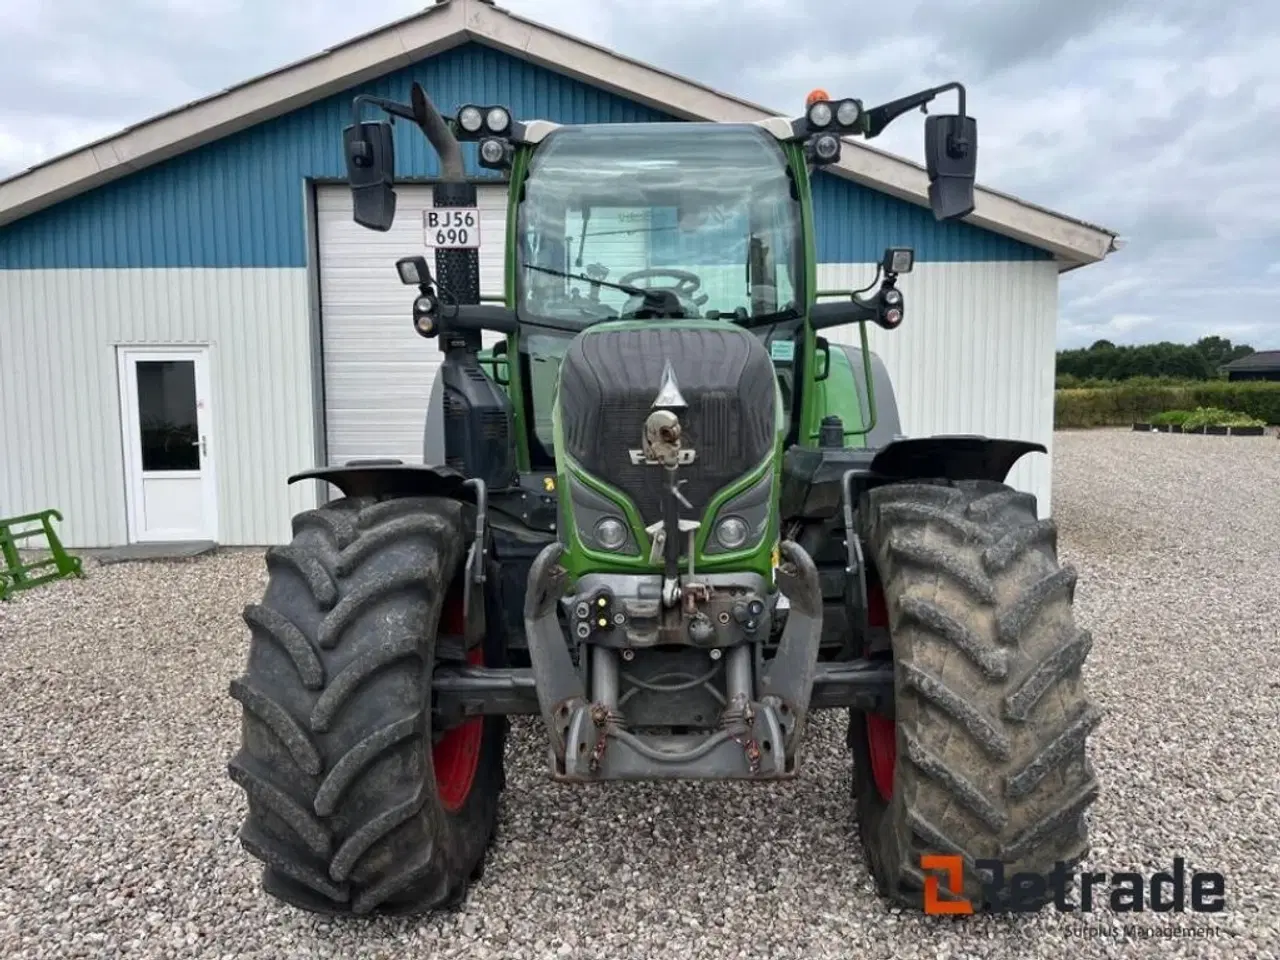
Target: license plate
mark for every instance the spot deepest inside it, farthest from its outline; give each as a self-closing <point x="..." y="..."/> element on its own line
<point x="452" y="228"/>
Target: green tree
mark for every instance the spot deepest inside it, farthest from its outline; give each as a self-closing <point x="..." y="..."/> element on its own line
<point x="1103" y="360"/>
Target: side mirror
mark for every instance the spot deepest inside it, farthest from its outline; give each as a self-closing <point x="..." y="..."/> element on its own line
<point x="371" y="170"/>
<point x="951" y="158"/>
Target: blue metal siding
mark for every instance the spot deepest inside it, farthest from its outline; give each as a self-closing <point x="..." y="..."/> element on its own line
<point x="239" y="202"/>
<point x="855" y="224"/>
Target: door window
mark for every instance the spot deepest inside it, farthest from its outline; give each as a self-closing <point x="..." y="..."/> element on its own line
<point x="167" y="415"/>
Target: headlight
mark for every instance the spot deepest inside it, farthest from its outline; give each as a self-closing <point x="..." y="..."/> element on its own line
<point x="498" y="120"/>
<point x="732" y="532"/>
<point x="847" y="113"/>
<point x="820" y="114"/>
<point x="492" y="151"/>
<point x="611" y="533"/>
<point x="892" y="298"/>
<point x="826" y="148"/>
<point x="470" y="119"/>
<point x="598" y="520"/>
<point x="742" y="522"/>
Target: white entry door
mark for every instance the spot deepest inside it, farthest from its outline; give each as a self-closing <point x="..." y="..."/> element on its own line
<point x="164" y="399"/>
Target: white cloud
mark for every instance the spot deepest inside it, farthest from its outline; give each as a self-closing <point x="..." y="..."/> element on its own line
<point x="1128" y="322"/>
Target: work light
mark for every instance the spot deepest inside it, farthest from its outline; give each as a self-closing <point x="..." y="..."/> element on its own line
<point x="848" y="112"/>
<point x="495" y="153"/>
<point x="497" y="120"/>
<point x="491" y="150"/>
<point x="819" y="114"/>
<point x="826" y="148"/>
<point x="413" y="271"/>
<point x="898" y="260"/>
<point x="470" y="119"/>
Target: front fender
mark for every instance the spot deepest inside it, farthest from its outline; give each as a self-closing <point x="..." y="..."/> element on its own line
<point x="951" y="457"/>
<point x="392" y="478"/>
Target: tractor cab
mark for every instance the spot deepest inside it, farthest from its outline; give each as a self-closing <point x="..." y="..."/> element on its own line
<point x="649" y="224"/>
<point x="611" y="215"/>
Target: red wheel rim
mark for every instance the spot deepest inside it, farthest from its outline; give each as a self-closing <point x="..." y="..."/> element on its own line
<point x="456" y="755"/>
<point x="882" y="731"/>
<point x="882" y="744"/>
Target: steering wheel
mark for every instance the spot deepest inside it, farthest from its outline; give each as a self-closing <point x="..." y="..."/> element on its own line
<point x="687" y="283"/>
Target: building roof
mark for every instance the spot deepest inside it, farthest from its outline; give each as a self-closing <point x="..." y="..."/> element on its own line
<point x="450" y="23"/>
<point x="1262" y="360"/>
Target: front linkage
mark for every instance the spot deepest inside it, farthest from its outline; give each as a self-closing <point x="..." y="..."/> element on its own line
<point x="757" y="737"/>
<point x="712" y="630"/>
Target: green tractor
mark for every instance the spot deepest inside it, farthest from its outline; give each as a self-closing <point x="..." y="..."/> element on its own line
<point x="670" y="519"/>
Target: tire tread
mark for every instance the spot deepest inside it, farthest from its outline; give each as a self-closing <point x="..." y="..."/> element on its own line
<point x="335" y="752"/>
<point x="993" y="719"/>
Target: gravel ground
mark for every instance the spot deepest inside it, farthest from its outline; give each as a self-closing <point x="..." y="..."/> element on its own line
<point x="118" y="823"/>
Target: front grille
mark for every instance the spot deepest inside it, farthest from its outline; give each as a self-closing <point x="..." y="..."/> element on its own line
<point x="608" y="383"/>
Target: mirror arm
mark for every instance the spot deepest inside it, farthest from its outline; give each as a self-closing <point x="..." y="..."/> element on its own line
<point x="427" y="118"/>
<point x="478" y="317"/>
<point x="402" y="110"/>
<point x="877" y="118"/>
<point x="823" y="316"/>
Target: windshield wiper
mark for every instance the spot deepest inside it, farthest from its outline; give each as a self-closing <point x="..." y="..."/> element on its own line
<point x="633" y="291"/>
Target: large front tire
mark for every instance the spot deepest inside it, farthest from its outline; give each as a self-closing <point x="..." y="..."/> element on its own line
<point x="354" y="805"/>
<point x="985" y="756"/>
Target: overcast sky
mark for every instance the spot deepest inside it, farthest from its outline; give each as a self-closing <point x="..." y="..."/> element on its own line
<point x="1159" y="119"/>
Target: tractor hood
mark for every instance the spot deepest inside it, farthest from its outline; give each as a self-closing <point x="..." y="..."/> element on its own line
<point x="612" y="375"/>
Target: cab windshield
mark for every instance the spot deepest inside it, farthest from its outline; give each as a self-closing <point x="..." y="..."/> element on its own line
<point x="658" y="221"/>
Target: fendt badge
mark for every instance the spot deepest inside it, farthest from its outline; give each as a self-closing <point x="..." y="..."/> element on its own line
<point x="661" y="441"/>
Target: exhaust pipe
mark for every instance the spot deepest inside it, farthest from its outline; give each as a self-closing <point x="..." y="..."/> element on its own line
<point x="437" y="131"/>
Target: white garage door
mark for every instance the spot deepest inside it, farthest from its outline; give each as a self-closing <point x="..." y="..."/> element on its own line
<point x="377" y="371"/>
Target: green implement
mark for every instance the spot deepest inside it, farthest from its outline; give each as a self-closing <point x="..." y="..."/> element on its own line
<point x="17" y="575"/>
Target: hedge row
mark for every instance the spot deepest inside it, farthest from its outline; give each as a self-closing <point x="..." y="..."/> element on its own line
<point x="1065" y="381"/>
<point x="1124" y="404"/>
